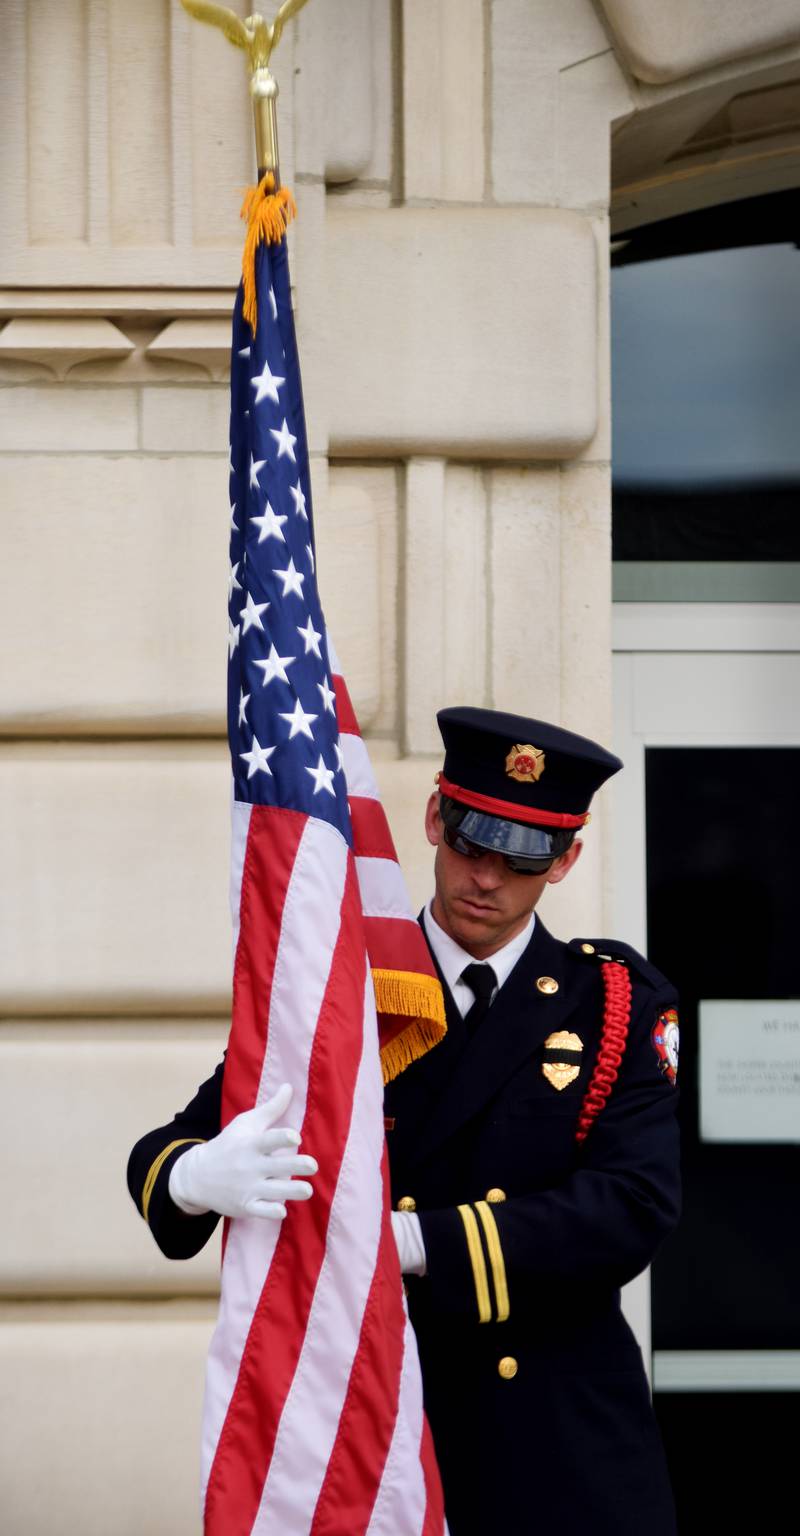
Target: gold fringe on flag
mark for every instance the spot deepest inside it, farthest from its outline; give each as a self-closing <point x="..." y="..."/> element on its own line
<point x="268" y="213"/>
<point x="414" y="1003"/>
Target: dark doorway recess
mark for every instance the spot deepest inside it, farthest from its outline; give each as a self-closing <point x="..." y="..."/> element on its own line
<point x="731" y="1458"/>
<point x="723" y="923"/>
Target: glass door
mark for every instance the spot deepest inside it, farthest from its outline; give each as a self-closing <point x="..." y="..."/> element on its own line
<point x="706" y="876"/>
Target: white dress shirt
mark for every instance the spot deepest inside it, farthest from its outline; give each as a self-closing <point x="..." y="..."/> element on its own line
<point x="452" y="959"/>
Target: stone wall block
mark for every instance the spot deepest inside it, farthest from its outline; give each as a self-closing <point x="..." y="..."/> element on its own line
<point x="62" y="343"/>
<point x="115" y="879"/>
<point x="321" y="364"/>
<point x="590" y="96"/>
<point x="424" y="612"/>
<point x="101" y="1419"/>
<point x="220" y="139"/>
<point x="524" y="129"/>
<point x="380" y="167"/>
<point x="348" y="88"/>
<point x="192" y="420"/>
<point x="465" y="586"/>
<point x="358" y="532"/>
<point x="552" y="35"/>
<point x="525" y="605"/>
<point x="348" y="541"/>
<point x="662" y="43"/>
<point x="115" y="639"/>
<point x="436" y="310"/>
<point x="599" y="447"/>
<point x="66" y="419"/>
<point x="443" y="109"/>
<point x="585" y="579"/>
<point x="92" y="1090"/>
<point x="445" y="595"/>
<point x="405" y="784"/>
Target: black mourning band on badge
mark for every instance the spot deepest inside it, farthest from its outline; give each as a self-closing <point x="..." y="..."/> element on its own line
<point x="499" y="836"/>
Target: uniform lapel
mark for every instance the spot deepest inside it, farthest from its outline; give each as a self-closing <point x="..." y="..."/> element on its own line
<point x="521" y="1017"/>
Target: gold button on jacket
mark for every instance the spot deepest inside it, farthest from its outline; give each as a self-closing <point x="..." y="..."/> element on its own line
<point x="495" y="1196"/>
<point x="507" y="1367"/>
<point x="408" y="1203"/>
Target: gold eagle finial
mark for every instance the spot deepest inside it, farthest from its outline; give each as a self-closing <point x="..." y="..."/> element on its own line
<point x="256" y="36"/>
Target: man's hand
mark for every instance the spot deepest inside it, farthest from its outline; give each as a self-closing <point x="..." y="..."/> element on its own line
<point x="249" y="1169"/>
<point x="410" y="1242"/>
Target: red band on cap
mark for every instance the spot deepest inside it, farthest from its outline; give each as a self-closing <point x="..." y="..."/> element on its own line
<point x="509" y="809"/>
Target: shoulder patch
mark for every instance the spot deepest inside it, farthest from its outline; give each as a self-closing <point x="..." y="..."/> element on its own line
<point x="614" y="949"/>
<point x="665" y="1038"/>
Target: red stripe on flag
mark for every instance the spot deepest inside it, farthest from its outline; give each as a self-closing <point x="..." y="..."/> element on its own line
<point x="279" y="1324"/>
<point x="400" y="943"/>
<point x="369" y="1412"/>
<point x="273" y="838"/>
<point x="371" y="836"/>
<point x="345" y="713"/>
<point x="434" y="1506"/>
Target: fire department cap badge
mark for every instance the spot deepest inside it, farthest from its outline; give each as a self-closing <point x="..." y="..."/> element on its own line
<point x="665" y="1036"/>
<point x="525" y="763"/>
<point x="561" y="1061"/>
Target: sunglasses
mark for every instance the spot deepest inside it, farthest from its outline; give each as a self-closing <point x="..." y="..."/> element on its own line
<point x="513" y="861"/>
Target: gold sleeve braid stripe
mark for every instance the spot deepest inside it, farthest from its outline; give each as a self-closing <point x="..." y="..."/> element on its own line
<point x="496" y="1260"/>
<point x="155" y="1168"/>
<point x="478" y="1263"/>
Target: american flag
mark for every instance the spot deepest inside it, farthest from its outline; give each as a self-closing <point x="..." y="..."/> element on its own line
<point x="313" y="1418"/>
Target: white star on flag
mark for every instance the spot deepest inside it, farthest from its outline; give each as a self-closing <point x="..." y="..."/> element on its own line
<point x="273" y="304"/>
<point x="310" y="553"/>
<point x="244" y="700"/>
<point x="232" y="582"/>
<point x="299" y="500"/>
<point x="312" y="638"/>
<point x="300" y="722"/>
<point x="275" y="666"/>
<point x="266" y="384"/>
<point x="244" y="352"/>
<point x="328" y="696"/>
<point x="337" y="747"/>
<point x="323" y="777"/>
<point x="270" y="526"/>
<point x="234" y="523"/>
<point x="292" y="580"/>
<point x="258" y="759"/>
<point x="255" y="466"/>
<point x="284" y="440"/>
<point x="251" y="614"/>
<point x="233" y="638"/>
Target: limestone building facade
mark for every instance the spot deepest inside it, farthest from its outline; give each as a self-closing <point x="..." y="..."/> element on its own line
<point x="458" y="165"/>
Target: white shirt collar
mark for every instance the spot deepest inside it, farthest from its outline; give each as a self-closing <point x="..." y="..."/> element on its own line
<point x="452" y="959"/>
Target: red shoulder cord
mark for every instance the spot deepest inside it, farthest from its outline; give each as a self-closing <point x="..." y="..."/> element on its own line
<point x="616" y="1018"/>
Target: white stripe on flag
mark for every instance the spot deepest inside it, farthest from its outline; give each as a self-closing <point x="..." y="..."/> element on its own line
<point x="332" y="656"/>
<point x="383" y="889"/>
<point x="240" y="823"/>
<point x="312" y="906"/>
<point x="402" y="1497"/>
<point x="312" y="1410"/>
<point x="358" y="768"/>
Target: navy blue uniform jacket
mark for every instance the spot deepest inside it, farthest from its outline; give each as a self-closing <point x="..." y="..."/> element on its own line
<point x="564" y="1440"/>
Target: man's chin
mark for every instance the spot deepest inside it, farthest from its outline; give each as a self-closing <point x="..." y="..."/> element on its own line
<point x="473" y="928"/>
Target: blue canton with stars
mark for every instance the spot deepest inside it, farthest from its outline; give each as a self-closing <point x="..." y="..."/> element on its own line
<point x="282" y="726"/>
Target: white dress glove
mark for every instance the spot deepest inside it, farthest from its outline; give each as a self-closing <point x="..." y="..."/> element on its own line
<point x="410" y="1242"/>
<point x="249" y="1169"/>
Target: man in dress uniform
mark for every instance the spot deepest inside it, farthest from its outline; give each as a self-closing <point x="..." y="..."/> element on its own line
<point x="533" y="1153"/>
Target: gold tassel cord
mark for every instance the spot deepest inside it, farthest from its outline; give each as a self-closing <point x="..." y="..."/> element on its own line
<point x="268" y="214"/>
<point x="408" y="995"/>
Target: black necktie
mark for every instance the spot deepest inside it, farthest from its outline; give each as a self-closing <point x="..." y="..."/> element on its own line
<point x="482" y="981"/>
